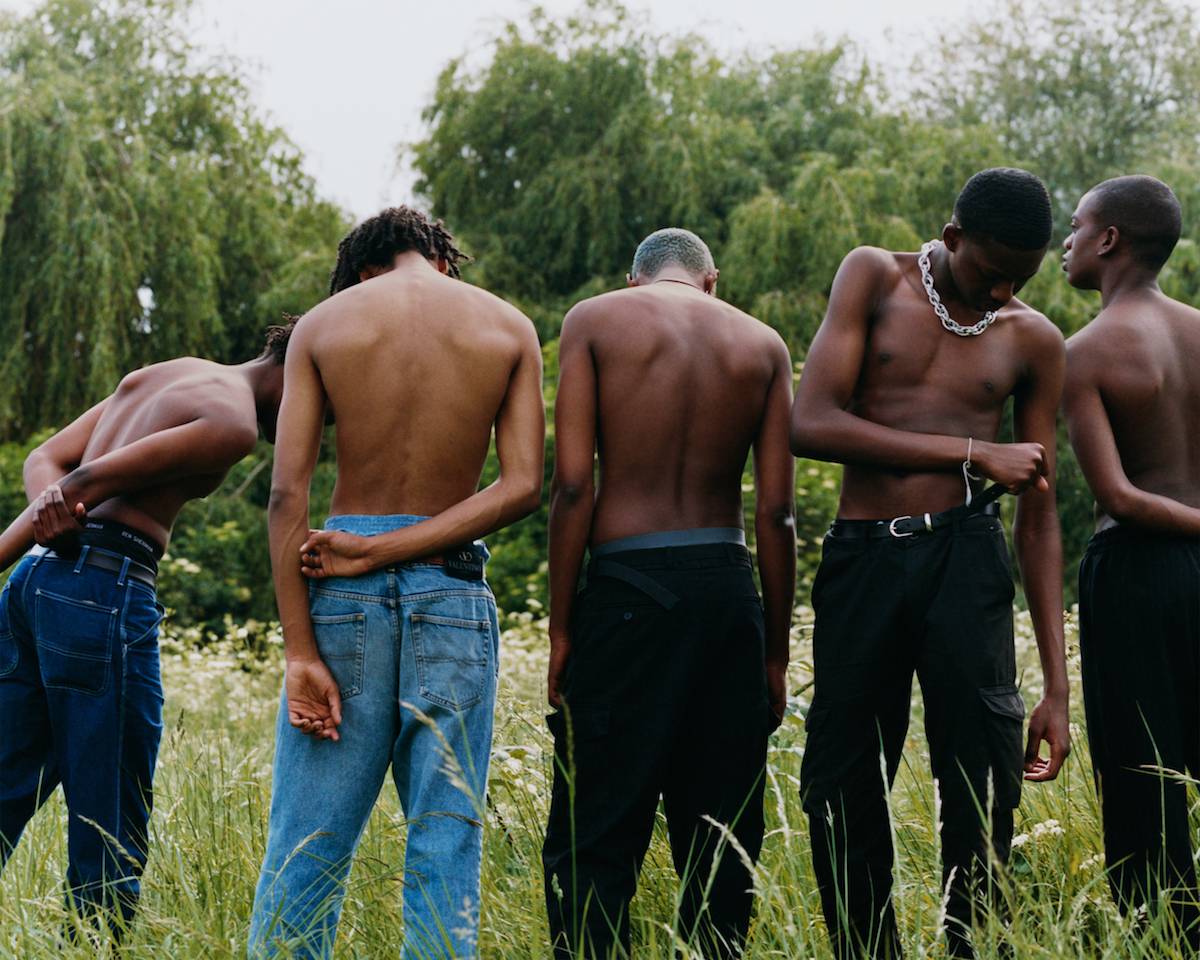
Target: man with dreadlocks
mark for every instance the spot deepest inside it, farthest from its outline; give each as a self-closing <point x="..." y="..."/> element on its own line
<point x="392" y="657"/>
<point x="80" y="693"/>
<point x="906" y="384"/>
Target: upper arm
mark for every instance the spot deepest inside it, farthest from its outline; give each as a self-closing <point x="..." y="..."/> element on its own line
<point x="301" y="414"/>
<point x="1091" y="431"/>
<point x="834" y="361"/>
<point x="66" y="448"/>
<point x="207" y="445"/>
<point x="521" y="420"/>
<point x="1035" y="408"/>
<point x="575" y="405"/>
<point x="774" y="466"/>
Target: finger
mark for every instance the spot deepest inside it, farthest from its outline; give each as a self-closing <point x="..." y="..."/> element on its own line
<point x="80" y="511"/>
<point x="311" y="572"/>
<point x="1032" y="746"/>
<point x="1043" y="484"/>
<point x="335" y="706"/>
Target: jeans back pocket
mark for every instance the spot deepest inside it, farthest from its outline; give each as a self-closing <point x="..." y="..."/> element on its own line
<point x="341" y="641"/>
<point x="9" y="655"/>
<point x="74" y="642"/>
<point x="452" y="644"/>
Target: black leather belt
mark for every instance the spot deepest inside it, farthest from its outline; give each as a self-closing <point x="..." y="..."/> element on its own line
<point x="106" y="561"/>
<point x="983" y="505"/>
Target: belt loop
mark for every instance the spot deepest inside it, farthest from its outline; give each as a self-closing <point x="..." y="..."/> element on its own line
<point x="124" y="571"/>
<point x="83" y="554"/>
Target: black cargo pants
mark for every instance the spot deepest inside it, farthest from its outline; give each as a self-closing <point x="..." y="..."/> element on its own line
<point x="665" y="695"/>
<point x="939" y="604"/>
<point x="1139" y="634"/>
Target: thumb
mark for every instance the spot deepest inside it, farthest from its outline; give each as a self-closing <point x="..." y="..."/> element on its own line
<point x="80" y="511"/>
<point x="335" y="704"/>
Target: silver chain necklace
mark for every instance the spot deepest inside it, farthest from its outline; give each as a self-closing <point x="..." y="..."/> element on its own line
<point x="939" y="308"/>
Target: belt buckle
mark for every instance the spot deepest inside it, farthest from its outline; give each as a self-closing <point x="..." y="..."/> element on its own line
<point x="892" y="527"/>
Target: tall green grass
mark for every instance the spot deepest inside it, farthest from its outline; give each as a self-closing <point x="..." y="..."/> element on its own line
<point x="212" y="793"/>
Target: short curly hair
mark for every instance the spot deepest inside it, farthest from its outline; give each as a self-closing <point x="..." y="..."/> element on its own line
<point x="1008" y="205"/>
<point x="671" y="245"/>
<point x="376" y="241"/>
<point x="1145" y="211"/>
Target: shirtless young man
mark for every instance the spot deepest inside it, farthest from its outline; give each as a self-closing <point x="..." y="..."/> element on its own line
<point x="667" y="670"/>
<point x="392" y="658"/>
<point x="1132" y="401"/>
<point x="80" y="692"/>
<point x="911" y="578"/>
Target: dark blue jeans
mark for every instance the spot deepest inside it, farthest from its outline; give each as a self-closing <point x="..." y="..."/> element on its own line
<point x="81" y="705"/>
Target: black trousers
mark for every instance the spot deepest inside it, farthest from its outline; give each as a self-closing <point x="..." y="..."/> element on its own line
<point x="939" y="604"/>
<point x="1139" y="634"/>
<point x="665" y="695"/>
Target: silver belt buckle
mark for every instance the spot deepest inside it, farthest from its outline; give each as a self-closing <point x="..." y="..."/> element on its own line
<point x="892" y="527"/>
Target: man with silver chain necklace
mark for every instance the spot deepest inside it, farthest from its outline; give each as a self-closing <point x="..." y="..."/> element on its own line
<point x="906" y="384"/>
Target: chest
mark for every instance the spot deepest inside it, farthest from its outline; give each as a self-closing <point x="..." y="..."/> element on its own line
<point x="907" y="347"/>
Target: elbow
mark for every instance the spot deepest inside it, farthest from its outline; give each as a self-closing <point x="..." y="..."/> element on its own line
<point x="569" y="492"/>
<point x="1119" y="503"/>
<point x="775" y="517"/>
<point x="807" y="440"/>
<point x="527" y="496"/>
<point x="285" y="499"/>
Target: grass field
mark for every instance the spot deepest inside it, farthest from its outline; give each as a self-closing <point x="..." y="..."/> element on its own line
<point x="210" y="822"/>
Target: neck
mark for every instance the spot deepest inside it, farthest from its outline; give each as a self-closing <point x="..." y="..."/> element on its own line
<point x="943" y="279"/>
<point x="412" y="260"/>
<point x="677" y="275"/>
<point x="1127" y="280"/>
<point x="265" y="378"/>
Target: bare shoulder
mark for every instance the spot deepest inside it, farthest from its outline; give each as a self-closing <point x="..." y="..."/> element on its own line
<point x="1034" y="329"/>
<point x="584" y="317"/>
<point x="874" y="264"/>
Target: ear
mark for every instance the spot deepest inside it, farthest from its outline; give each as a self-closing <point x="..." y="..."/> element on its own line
<point x="1108" y="241"/>
<point x="952" y="235"/>
<point x="710" y="282"/>
<point x="368" y="273"/>
<point x="631" y="280"/>
<point x="442" y="264"/>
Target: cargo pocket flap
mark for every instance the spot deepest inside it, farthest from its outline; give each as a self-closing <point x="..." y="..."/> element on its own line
<point x="1004" y="700"/>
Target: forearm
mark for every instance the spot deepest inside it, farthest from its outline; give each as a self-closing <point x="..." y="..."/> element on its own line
<point x="1151" y="511"/>
<point x="775" y="539"/>
<point x="1038" y="543"/>
<point x="839" y="436"/>
<point x="497" y="505"/>
<point x="287" y="524"/>
<point x="39" y="472"/>
<point x="571" y="511"/>
<point x="16" y="539"/>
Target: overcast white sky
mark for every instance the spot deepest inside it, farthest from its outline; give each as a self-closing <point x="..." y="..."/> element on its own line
<point x="348" y="78"/>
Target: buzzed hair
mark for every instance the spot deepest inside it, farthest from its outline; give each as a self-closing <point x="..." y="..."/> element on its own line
<point x="1008" y="205"/>
<point x="1145" y="211"/>
<point x="671" y="245"/>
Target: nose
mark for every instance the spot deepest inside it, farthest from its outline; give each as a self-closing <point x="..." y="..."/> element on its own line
<point x="1067" y="241"/>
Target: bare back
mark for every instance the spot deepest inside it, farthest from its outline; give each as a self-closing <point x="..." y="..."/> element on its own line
<point x="682" y="383"/>
<point x="155" y="399"/>
<point x="415" y="367"/>
<point x="1143" y="354"/>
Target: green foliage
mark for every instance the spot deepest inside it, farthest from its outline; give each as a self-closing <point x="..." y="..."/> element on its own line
<point x="147" y="211"/>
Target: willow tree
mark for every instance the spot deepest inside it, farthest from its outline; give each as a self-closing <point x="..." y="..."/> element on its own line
<point x="145" y="210"/>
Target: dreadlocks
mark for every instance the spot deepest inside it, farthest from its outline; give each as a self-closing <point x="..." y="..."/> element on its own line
<point x="375" y="243"/>
<point x="276" y="341"/>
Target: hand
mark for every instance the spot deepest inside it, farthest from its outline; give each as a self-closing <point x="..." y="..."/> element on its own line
<point x="334" y="553"/>
<point x="1047" y="722"/>
<point x="560" y="649"/>
<point x="777" y="691"/>
<point x="53" y="522"/>
<point x="1015" y="466"/>
<point x="313" y="701"/>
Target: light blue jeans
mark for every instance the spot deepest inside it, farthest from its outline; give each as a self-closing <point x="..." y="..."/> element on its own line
<point x="416" y="653"/>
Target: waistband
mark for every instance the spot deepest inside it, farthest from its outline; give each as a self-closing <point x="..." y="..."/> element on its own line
<point x="698" y="536"/>
<point x="369" y="524"/>
<point x="118" y="538"/>
<point x="924" y="525"/>
<point x="1114" y="536"/>
<point x="88" y="556"/>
